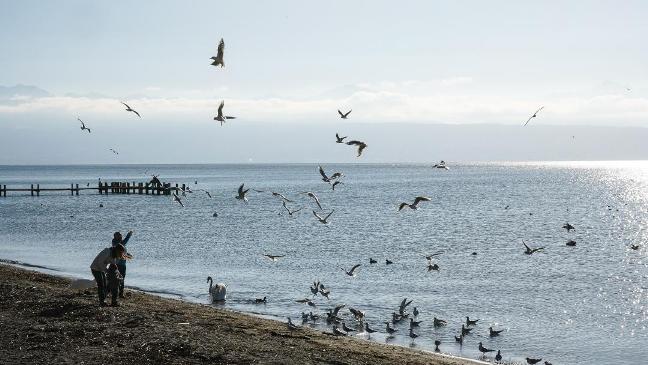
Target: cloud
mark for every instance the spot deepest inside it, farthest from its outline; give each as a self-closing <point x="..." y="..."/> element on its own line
<point x="409" y="101"/>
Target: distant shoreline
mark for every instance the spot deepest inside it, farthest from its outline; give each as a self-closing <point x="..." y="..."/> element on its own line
<point x="45" y="321"/>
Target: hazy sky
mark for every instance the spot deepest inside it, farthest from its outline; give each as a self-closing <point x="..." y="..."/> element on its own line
<point x="297" y="62"/>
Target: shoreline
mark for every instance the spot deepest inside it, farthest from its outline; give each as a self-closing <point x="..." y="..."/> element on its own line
<point x="44" y="321"/>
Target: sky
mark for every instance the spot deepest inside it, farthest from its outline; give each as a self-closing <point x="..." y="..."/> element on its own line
<point x="436" y="68"/>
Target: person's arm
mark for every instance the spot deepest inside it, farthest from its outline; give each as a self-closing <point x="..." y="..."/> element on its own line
<point x="128" y="236"/>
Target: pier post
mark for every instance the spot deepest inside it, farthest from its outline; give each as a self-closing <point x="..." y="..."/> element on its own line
<point x="71" y="189"/>
<point x="77" y="189"/>
<point x="4" y="191"/>
<point x="31" y="190"/>
<point x="147" y="188"/>
<point x="37" y="189"/>
<point x="99" y="187"/>
<point x="127" y="188"/>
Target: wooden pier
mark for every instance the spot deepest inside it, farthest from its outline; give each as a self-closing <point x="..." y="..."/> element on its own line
<point x="103" y="188"/>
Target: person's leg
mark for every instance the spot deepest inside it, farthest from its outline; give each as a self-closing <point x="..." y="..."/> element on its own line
<point x="114" y="290"/>
<point x="101" y="285"/>
<point x="122" y="270"/>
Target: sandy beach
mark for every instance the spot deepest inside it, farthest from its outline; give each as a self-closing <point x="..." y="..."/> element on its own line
<point x="44" y="321"/>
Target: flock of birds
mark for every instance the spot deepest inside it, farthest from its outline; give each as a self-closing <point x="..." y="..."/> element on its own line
<point x="333" y="317"/>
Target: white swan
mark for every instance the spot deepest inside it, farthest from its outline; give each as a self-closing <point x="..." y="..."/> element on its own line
<point x="218" y="292"/>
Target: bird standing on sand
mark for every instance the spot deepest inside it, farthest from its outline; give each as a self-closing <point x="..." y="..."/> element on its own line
<point x="412" y="334"/>
<point x="337" y="332"/>
<point x="534" y="115"/>
<point x="390" y="331"/>
<point x="532" y="361"/>
<point x="83" y="126"/>
<point x="361" y="146"/>
<point x="129" y="109"/>
<point x="344" y="115"/>
<point x="437" y="343"/>
<point x="314" y="197"/>
<point x="531" y="251"/>
<point x="414" y="206"/>
<point x="241" y="193"/>
<point x="220" y="117"/>
<point x="352" y="271"/>
<point x="323" y="220"/>
<point x="218" y="59"/>
<point x="339" y="139"/>
<point x="368" y="329"/>
<point x="291" y="325"/>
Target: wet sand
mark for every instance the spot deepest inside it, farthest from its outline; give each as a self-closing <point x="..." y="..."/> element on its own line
<point x="42" y="321"/>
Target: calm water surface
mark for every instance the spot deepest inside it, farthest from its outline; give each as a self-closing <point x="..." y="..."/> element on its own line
<point x="569" y="305"/>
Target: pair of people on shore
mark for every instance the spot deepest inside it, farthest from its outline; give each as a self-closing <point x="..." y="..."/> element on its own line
<point x="109" y="269"/>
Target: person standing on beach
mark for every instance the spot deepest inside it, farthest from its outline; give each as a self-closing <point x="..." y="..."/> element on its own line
<point x="121" y="263"/>
<point x="99" y="266"/>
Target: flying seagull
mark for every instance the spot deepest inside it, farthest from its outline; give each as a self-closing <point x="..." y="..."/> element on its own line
<point x="414" y="205"/>
<point x="283" y="197"/>
<point x="568" y="227"/>
<point x="326" y="178"/>
<point x="312" y="195"/>
<point x="352" y="271"/>
<point x="361" y="146"/>
<point x="336" y="183"/>
<point x="534" y="115"/>
<point x="218" y="60"/>
<point x="529" y="250"/>
<point x="290" y="213"/>
<point x="344" y="115"/>
<point x="274" y="257"/>
<point x="323" y="220"/>
<point x="241" y="193"/>
<point x="113" y="151"/>
<point x="176" y="198"/>
<point x="220" y="117"/>
<point x="339" y="139"/>
<point x="83" y="127"/>
<point x="129" y="109"/>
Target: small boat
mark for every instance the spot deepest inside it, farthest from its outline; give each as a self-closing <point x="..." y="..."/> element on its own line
<point x="441" y="165"/>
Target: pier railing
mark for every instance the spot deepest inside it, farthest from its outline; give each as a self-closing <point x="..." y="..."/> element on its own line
<point x="102" y="188"/>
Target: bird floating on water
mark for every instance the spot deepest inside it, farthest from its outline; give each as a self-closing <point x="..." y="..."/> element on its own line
<point x="220" y="117"/>
<point x="568" y="227"/>
<point x="531" y="251"/>
<point x="571" y="243"/>
<point x="471" y="322"/>
<point x="218" y="59"/>
<point x="494" y="333"/>
<point x="498" y="357"/>
<point x="414" y="206"/>
<point x="344" y="115"/>
<point x="372" y="261"/>
<point x="440" y="322"/>
<point x="534" y="115"/>
<point x="129" y="109"/>
<point x="273" y="257"/>
<point x="83" y="126"/>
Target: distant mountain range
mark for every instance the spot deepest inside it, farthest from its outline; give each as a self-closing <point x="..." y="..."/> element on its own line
<point x="22" y="91"/>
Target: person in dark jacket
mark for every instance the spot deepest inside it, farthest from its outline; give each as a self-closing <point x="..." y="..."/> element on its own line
<point x="99" y="268"/>
<point x="121" y="263"/>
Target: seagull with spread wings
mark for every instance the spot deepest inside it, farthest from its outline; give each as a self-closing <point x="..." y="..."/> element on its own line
<point x="531" y="251"/>
<point x="534" y="115"/>
<point x="414" y="206"/>
<point x="273" y="257"/>
<point x="129" y="109"/>
<point x="361" y="146"/>
<point x="220" y="117"/>
<point x="339" y="139"/>
<point x="314" y="197"/>
<point x="241" y="193"/>
<point x="344" y="115"/>
<point x="290" y="212"/>
<point x="83" y="126"/>
<point x="323" y="220"/>
<point x="218" y="59"/>
<point x="352" y="271"/>
<point x="113" y="151"/>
